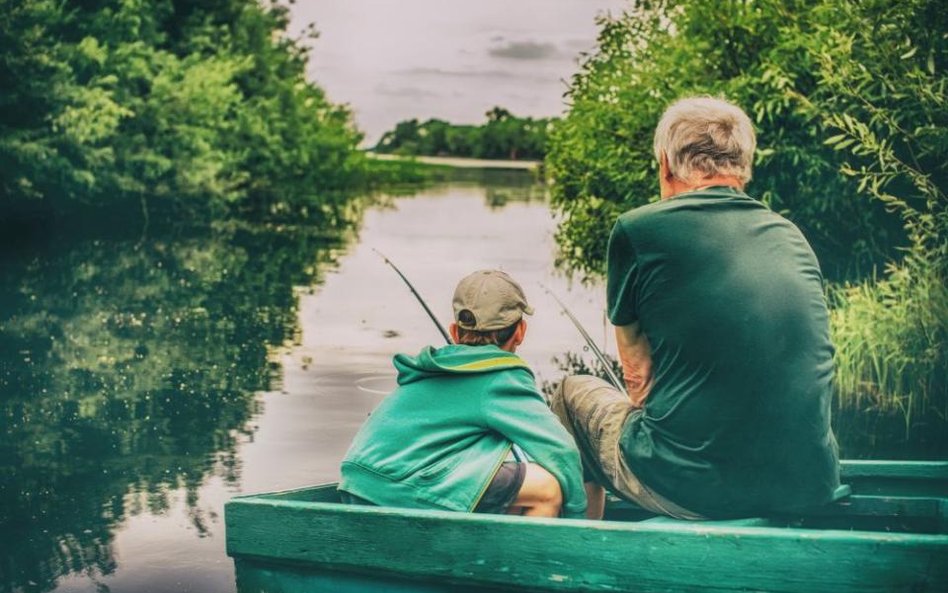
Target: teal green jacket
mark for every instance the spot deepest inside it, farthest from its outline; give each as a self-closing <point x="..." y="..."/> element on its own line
<point x="437" y="440"/>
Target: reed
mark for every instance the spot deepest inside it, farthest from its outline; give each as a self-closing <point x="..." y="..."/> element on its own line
<point x="891" y="336"/>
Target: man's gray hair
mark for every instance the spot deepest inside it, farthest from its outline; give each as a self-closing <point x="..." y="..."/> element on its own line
<point x="705" y="137"/>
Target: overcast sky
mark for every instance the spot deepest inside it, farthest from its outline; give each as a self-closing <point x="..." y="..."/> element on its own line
<point x="392" y="60"/>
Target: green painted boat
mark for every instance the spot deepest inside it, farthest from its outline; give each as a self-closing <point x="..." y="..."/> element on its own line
<point x="886" y="531"/>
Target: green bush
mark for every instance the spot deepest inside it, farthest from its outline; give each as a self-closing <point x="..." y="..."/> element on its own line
<point x="126" y="101"/>
<point x="890" y="338"/>
<point x="784" y="62"/>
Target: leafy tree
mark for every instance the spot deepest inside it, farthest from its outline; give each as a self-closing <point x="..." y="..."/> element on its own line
<point x="883" y="96"/>
<point x="761" y="54"/>
<point x="115" y="102"/>
<point x="404" y="139"/>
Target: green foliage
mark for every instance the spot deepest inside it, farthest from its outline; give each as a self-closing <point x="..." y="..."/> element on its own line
<point x="890" y="338"/>
<point x="772" y="57"/>
<point x="504" y="136"/>
<point x="599" y="158"/>
<point x="884" y="90"/>
<point x="393" y="175"/>
<point x="119" y="100"/>
<point x="884" y="80"/>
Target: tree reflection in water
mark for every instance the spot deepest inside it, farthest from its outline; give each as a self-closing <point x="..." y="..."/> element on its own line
<point x="128" y="371"/>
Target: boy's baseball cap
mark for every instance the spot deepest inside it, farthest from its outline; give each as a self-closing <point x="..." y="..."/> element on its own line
<point x="494" y="299"/>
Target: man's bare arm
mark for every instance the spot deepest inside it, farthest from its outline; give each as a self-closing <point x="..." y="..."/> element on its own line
<point x="635" y="354"/>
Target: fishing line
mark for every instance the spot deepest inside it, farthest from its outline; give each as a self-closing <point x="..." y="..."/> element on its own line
<point x="590" y="344"/>
<point x="359" y="383"/>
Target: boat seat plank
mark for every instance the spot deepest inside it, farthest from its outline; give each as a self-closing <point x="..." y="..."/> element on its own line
<point x="841" y="493"/>
<point x="747" y="522"/>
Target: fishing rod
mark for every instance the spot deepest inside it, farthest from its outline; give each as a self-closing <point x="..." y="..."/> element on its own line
<point x="441" y="329"/>
<point x="606" y="365"/>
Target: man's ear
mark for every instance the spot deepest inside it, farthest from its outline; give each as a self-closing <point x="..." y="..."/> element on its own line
<point x="664" y="170"/>
<point x="453" y="330"/>
<point x="666" y="180"/>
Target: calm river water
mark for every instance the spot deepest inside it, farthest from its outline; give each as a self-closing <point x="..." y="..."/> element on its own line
<point x="146" y="380"/>
<point x="143" y="382"/>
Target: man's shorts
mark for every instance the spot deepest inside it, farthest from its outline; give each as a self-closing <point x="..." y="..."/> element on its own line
<point x="595" y="412"/>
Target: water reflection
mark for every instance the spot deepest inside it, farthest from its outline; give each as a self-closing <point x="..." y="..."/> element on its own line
<point x="132" y="368"/>
<point x="127" y="372"/>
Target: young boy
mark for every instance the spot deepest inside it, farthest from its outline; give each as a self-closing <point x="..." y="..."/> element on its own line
<point x="443" y="438"/>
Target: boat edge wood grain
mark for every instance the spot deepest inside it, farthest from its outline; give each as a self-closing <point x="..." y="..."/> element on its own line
<point x="292" y="529"/>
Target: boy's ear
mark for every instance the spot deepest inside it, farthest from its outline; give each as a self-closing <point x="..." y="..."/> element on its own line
<point x="516" y="338"/>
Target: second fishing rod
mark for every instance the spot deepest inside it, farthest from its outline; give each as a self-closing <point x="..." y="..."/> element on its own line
<point x="597" y="352"/>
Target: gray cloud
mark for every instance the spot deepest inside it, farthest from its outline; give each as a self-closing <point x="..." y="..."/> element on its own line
<point x="524" y="50"/>
<point x="458" y="73"/>
<point x="574" y="45"/>
<point x="472" y="73"/>
<point x="404" y="91"/>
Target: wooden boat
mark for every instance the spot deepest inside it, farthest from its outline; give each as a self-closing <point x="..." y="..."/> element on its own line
<point x="887" y="531"/>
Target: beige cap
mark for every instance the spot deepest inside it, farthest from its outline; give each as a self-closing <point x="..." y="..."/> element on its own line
<point x="493" y="298"/>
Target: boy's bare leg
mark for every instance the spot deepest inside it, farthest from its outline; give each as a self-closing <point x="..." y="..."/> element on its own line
<point x="539" y="496"/>
<point x="596" y="500"/>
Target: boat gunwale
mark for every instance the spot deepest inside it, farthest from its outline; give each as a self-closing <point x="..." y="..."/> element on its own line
<point x="902" y="470"/>
<point x="698" y="528"/>
<point x="308" y="529"/>
<point x="857" y="469"/>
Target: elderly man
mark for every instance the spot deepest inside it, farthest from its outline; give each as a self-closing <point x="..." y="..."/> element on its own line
<point x="722" y="331"/>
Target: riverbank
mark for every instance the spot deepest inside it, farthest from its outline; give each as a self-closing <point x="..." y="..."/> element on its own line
<point x="460" y="163"/>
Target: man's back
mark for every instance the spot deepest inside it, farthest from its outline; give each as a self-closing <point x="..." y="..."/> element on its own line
<point x="730" y="297"/>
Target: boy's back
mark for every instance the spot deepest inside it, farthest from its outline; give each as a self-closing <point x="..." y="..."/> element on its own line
<point x="439" y="439"/>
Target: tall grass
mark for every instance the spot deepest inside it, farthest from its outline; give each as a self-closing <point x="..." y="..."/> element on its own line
<point x="891" y="337"/>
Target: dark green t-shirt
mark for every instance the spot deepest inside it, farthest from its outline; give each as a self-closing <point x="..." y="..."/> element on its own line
<point x="730" y="296"/>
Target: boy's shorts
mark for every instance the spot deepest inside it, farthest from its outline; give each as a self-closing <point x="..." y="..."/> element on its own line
<point x="503" y="488"/>
<point x="500" y="494"/>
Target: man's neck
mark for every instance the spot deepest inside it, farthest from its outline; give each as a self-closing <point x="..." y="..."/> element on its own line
<point x="673" y="186"/>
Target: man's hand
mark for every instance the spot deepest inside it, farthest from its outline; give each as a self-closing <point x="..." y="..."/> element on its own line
<point x="635" y="354"/>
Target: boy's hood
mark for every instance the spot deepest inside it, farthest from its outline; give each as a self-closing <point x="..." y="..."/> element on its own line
<point x="455" y="359"/>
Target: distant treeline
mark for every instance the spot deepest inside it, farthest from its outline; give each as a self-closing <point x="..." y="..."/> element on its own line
<point x="503" y="136"/>
<point x="108" y="103"/>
